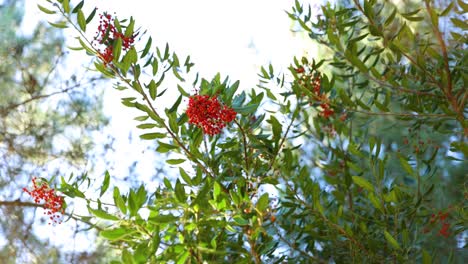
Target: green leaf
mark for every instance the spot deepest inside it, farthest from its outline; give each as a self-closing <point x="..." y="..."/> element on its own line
<point x="391" y="240"/>
<point x="183" y="257"/>
<point x="88" y="49"/>
<point x="162" y="219"/>
<point x="363" y="183"/>
<point x="173" y="122"/>
<point x="355" y="61"/>
<point x="78" y="6"/>
<point x="105" y="183"/>
<point x="116" y="234"/>
<point x="235" y="198"/>
<point x="246" y="110"/>
<point x="102" y="214"/>
<point x="463" y="5"/>
<point x="459" y="23"/>
<point x="150" y="136"/>
<point x="176" y="105"/>
<point x="147" y="126"/>
<point x="61" y="24"/>
<point x="276" y="128"/>
<point x="405" y="164"/>
<point x="345" y="98"/>
<point x="81" y="20"/>
<point x="263" y="202"/>
<point x="426" y="257"/>
<point x="129" y="29"/>
<point x="164" y="147"/>
<point x="185" y="176"/>
<point x="358" y="38"/>
<point x="45" y="10"/>
<point x="375" y="201"/>
<point x="127" y="257"/>
<point x="141" y="118"/>
<point x="147" y="47"/>
<point x="175" y="161"/>
<point x="180" y="192"/>
<point x="130" y="58"/>
<point x="152" y="89"/>
<point x="240" y="220"/>
<point x="132" y="203"/>
<point x="91" y="16"/>
<point x="166" y="52"/>
<point x="117" y="49"/>
<point x="391" y="17"/>
<point x="216" y="190"/>
<point x="118" y="201"/>
<point x="155" y="66"/>
<point x="66" y="6"/>
<point x="75" y="48"/>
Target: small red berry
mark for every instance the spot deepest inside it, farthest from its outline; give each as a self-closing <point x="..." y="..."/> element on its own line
<point x="52" y="203"/>
<point x="207" y="113"/>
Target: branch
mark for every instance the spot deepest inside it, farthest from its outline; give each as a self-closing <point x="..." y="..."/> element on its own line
<point x="448" y="91"/>
<point x="398" y="114"/>
<point x="11" y="107"/>
<point x="17" y="203"/>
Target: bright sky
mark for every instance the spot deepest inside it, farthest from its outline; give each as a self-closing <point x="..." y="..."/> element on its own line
<point x="233" y="37"/>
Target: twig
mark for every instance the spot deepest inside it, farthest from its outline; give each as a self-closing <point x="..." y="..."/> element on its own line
<point x="246" y="158"/>
<point x="397" y="114"/>
<point x="37" y="97"/>
<point x="29" y="204"/>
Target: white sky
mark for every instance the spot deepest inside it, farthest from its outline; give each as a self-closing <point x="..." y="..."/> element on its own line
<point x="233" y="37"/>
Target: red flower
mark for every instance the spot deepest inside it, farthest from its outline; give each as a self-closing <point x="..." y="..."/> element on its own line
<point x="107" y="56"/>
<point x="444" y="231"/>
<point x="327" y="111"/>
<point x="300" y="70"/>
<point x="207" y="113"/>
<point x="52" y="203"/>
<point x="442" y="219"/>
<point x="107" y="34"/>
<point x="316" y="85"/>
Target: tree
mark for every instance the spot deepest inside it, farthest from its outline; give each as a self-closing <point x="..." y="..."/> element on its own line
<point x="45" y="126"/>
<point x="348" y="202"/>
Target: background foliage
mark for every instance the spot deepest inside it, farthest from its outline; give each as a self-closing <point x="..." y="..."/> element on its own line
<point x="354" y="157"/>
<point x="46" y="121"/>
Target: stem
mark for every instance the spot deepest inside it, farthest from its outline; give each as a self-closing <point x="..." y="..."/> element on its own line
<point x="11" y="107"/>
<point x="246" y="158"/>
<point x="448" y="90"/>
<point x="443" y="47"/>
<point x="29" y="204"/>
<point x="397" y="114"/>
<point x="254" y="252"/>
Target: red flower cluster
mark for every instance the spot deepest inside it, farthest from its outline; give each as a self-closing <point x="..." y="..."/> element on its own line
<point x="312" y="82"/>
<point x="208" y="113"/>
<point x="107" y="34"/>
<point x="441" y="218"/>
<point x="53" y="204"/>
